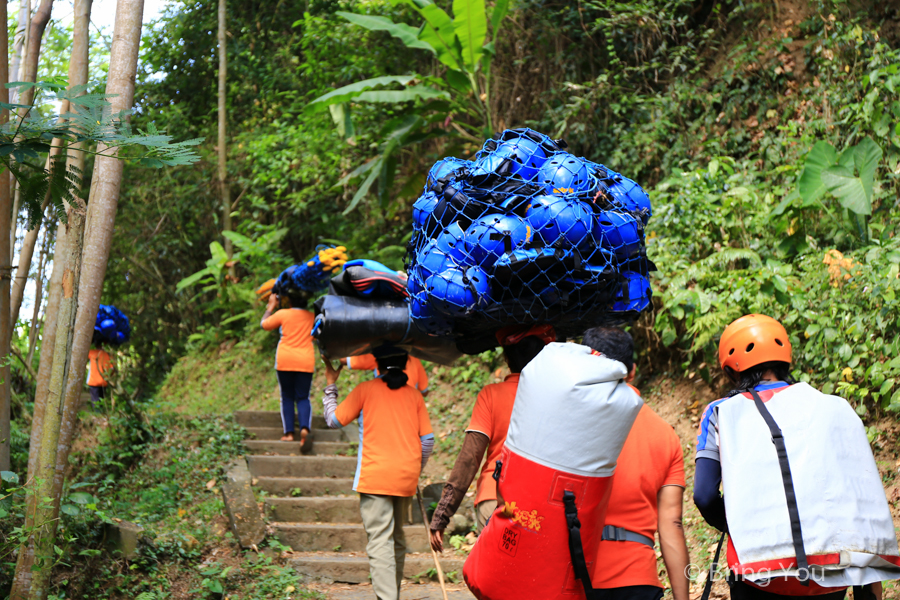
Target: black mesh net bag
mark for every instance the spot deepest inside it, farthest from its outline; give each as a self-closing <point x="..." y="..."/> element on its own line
<point x="526" y="233"/>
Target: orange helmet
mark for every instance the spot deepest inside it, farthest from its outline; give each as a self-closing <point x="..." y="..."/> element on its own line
<point x="753" y="340"/>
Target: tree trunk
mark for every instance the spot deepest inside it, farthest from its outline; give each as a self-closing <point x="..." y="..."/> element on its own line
<point x="101" y="213"/>
<point x="27" y="251"/>
<point x="78" y="74"/>
<point x="28" y="70"/>
<point x="43" y="535"/>
<point x="20" y="41"/>
<point x="5" y="262"/>
<point x="223" y="118"/>
<point x="38" y="298"/>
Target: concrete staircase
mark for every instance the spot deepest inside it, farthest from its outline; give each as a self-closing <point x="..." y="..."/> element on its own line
<point x="311" y="505"/>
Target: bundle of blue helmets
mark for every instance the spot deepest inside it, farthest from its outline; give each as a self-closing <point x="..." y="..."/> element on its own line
<point x="527" y="233"/>
<point x="111" y="327"/>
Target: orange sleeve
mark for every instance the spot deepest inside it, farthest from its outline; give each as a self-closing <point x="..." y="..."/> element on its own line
<point x="424" y="421"/>
<point x="365" y="362"/>
<point x="481" y="415"/>
<point x="274" y="321"/>
<point x="675" y="476"/>
<point x="348" y="410"/>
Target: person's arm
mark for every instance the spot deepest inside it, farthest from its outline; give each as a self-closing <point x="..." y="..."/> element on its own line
<point x="329" y="400"/>
<point x="427" y="442"/>
<point x="464" y="472"/>
<point x="271" y="307"/>
<point x="707" y="477"/>
<point x="671" y="539"/>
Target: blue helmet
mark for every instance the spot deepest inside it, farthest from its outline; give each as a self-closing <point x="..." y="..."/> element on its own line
<point x="620" y="232"/>
<point x="431" y="260"/>
<point x="632" y="197"/>
<point x="526" y="156"/>
<point x="422" y="209"/>
<point x="492" y="235"/>
<point x="425" y="317"/>
<point x="566" y="173"/>
<point x="450" y="242"/>
<point x="634" y="294"/>
<point x="455" y="292"/>
<point x="565" y="220"/>
<point x="445" y="167"/>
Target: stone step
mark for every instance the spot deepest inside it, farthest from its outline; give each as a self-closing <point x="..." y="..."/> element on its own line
<point x="306" y="486"/>
<point x="322" y="509"/>
<point x="270" y="418"/>
<point x="275" y="433"/>
<point x="301" y="466"/>
<point x="340" y="537"/>
<point x="351" y="568"/>
<point x="293" y="448"/>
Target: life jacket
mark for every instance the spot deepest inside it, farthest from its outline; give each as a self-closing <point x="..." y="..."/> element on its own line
<point x="572" y="413"/>
<point x="824" y="505"/>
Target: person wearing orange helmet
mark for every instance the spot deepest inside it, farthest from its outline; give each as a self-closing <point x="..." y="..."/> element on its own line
<point x="755" y="353"/>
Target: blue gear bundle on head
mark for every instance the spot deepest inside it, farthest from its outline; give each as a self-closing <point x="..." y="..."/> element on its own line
<point x="313" y="275"/>
<point x="526" y="233"/>
<point x="111" y="326"/>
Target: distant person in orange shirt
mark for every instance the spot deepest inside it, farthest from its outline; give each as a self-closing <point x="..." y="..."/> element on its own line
<point x="414" y="369"/>
<point x="99" y="363"/>
<point x="395" y="442"/>
<point x="647" y="493"/>
<point x="294" y="361"/>
<point x="487" y="432"/>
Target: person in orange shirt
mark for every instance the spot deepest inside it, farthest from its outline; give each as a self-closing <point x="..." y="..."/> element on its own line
<point x="294" y="361"/>
<point x="99" y="363"/>
<point x="414" y="369"/>
<point x="647" y="493"/>
<point x="487" y="432"/>
<point x="395" y="442"/>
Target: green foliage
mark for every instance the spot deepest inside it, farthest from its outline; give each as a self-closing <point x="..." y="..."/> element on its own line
<point x="848" y="177"/>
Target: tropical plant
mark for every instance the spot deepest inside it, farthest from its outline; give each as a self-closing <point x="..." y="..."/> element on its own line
<point x="461" y="45"/>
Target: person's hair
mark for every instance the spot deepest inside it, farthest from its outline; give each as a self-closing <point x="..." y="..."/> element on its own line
<point x="611" y="342"/>
<point x="749" y="379"/>
<point x="520" y="354"/>
<point x="298" y="299"/>
<point x="392" y="367"/>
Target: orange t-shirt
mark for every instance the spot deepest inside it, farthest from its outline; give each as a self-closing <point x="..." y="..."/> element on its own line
<point x="491" y="414"/>
<point x="391" y="425"/>
<point x="414" y="370"/>
<point x="651" y="458"/>
<point x="295" y="348"/>
<point x="99" y="362"/>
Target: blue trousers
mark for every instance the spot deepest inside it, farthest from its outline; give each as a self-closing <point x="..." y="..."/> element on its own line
<point x="294" y="387"/>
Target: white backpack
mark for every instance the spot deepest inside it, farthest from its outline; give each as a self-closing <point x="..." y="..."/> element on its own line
<point x="841" y="524"/>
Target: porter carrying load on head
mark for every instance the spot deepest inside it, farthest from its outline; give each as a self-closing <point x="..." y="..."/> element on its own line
<point x="526" y="233"/>
<point x="804" y="504"/>
<point x="555" y="485"/>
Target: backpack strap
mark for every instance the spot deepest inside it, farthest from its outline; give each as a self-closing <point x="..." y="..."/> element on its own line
<point x="611" y="533"/>
<point x="576" y="549"/>
<point x="707" y="589"/>
<point x="786" y="479"/>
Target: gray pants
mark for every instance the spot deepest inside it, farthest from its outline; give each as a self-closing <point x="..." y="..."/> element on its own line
<point x="383" y="518"/>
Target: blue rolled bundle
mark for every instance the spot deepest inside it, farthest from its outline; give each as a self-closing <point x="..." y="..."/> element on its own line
<point x="313" y="275"/>
<point x="526" y="233"/>
<point x="111" y="327"/>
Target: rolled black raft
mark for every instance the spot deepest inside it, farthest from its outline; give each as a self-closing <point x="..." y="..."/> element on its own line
<point x="350" y="326"/>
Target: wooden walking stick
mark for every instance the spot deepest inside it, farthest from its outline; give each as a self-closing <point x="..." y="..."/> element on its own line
<point x="434" y="555"/>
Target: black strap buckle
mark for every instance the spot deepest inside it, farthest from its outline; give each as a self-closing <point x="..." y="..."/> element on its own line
<point x="498" y="467"/>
